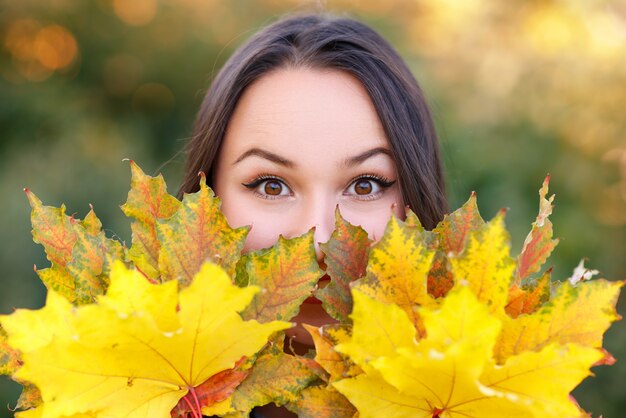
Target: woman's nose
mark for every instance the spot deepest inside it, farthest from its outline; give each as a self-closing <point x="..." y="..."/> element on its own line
<point x="321" y="216"/>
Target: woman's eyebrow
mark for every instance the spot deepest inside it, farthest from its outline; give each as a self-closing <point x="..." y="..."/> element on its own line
<point x="358" y="159"/>
<point x="258" y="152"/>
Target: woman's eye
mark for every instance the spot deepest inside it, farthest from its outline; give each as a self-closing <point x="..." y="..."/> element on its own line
<point x="272" y="187"/>
<point x="268" y="187"/>
<point x="367" y="187"/>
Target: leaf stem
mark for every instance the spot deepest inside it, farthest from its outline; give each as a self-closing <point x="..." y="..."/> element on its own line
<point x="191" y="407"/>
<point x="195" y="397"/>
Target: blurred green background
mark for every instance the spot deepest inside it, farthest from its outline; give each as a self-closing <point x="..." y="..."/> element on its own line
<point x="518" y="89"/>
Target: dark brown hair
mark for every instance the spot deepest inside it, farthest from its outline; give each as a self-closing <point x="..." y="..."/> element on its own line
<point x="317" y="41"/>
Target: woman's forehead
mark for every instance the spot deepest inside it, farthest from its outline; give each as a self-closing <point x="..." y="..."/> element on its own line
<point x="307" y="109"/>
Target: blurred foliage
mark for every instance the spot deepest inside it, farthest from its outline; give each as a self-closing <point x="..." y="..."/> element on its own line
<point x="518" y="89"/>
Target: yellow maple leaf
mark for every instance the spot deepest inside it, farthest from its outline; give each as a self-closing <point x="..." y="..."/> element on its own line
<point x="451" y="372"/>
<point x="397" y="271"/>
<point x="486" y="265"/>
<point x="140" y="349"/>
<point x="575" y="314"/>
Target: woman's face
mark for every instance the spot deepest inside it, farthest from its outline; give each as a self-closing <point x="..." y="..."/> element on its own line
<point x="300" y="143"/>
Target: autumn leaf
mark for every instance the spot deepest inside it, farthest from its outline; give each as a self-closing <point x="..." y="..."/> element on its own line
<point x="345" y="256"/>
<point x="455" y="228"/>
<point x="275" y="378"/>
<point x="528" y="298"/>
<point x="574" y="314"/>
<point x="398" y="268"/>
<point x="79" y="251"/>
<point x="451" y="371"/>
<point x="147" y="203"/>
<point x="485" y="264"/>
<point x="9" y="357"/>
<point x="140" y="349"/>
<point x="217" y="389"/>
<point x="321" y="402"/>
<point x="383" y="329"/>
<point x="287" y="273"/>
<point x="449" y="238"/>
<point x="337" y="365"/>
<point x="198" y="232"/>
<point x="539" y="243"/>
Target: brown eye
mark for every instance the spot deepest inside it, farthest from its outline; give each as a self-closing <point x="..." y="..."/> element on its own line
<point x="273" y="188"/>
<point x="363" y="187"/>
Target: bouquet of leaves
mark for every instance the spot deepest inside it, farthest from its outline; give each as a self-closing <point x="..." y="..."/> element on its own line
<point x="437" y="323"/>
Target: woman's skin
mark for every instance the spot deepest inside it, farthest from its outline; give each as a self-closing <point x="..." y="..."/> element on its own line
<point x="300" y="143"/>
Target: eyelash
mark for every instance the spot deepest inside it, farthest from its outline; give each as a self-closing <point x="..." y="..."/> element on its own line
<point x="257" y="181"/>
<point x="383" y="182"/>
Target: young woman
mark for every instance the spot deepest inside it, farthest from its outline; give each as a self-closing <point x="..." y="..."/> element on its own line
<point x="311" y="114"/>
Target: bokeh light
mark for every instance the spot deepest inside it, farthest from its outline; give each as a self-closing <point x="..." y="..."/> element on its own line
<point x="135" y="12"/>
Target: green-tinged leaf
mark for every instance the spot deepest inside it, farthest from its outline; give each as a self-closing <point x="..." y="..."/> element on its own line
<point x="575" y="314"/>
<point x="455" y="228"/>
<point x="79" y="251"/>
<point x="345" y="256"/>
<point x="397" y="270"/>
<point x="91" y="223"/>
<point x="287" y="273"/>
<point x="53" y="229"/>
<point x="9" y="357"/>
<point x="322" y="402"/>
<point x="539" y="243"/>
<point x="530" y="297"/>
<point x="147" y="202"/>
<point x="29" y="398"/>
<point x="198" y="232"/>
<point x="92" y="257"/>
<point x="485" y="265"/>
<point x="275" y="378"/>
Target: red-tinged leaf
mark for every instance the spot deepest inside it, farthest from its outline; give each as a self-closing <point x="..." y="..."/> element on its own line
<point x="29" y="398"/>
<point x="454" y="229"/>
<point x="275" y="378"/>
<point x="9" y="357"/>
<point x="288" y="273"/>
<point x="607" y="360"/>
<point x="322" y="402"/>
<point x="345" y="255"/>
<point x="539" y="243"/>
<point x="147" y="202"/>
<point x="198" y="232"/>
<point x="440" y="278"/>
<point x="527" y="299"/>
<point x="218" y="388"/>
